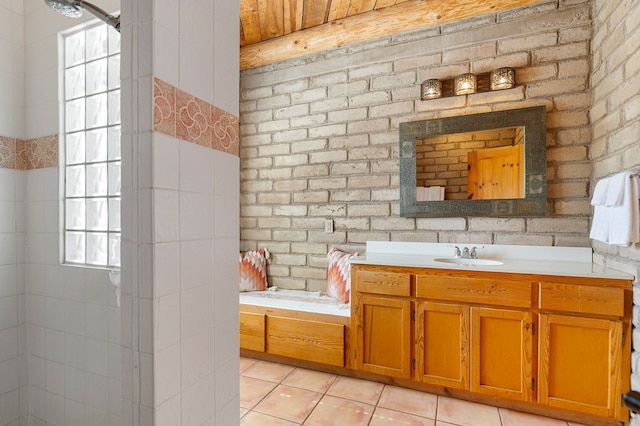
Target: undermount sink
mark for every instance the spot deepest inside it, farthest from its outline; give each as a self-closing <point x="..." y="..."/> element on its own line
<point x="468" y="261"/>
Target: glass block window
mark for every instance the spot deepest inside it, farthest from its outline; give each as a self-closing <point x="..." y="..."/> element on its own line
<point x="91" y="141"/>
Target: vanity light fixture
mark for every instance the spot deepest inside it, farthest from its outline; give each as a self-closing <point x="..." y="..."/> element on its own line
<point x="465" y="84"/>
<point x="431" y="89"/>
<point x="468" y="84"/>
<point x="503" y="78"/>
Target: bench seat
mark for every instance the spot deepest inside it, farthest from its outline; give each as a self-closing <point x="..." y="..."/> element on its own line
<point x="294" y="324"/>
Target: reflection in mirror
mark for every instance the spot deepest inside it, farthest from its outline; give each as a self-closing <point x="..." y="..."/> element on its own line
<point x="482" y="165"/>
<point x="489" y="164"/>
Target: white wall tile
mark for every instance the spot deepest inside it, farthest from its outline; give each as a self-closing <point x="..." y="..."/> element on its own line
<point x="10" y="405"/>
<point x="75" y="384"/>
<point x="98" y="396"/>
<point x="8" y="280"/>
<point x="146" y="379"/>
<point x="74" y="286"/>
<point x="115" y="362"/>
<point x="74" y="317"/>
<point x="227" y="340"/>
<point x="8" y="246"/>
<point x="196" y="168"/>
<point x="54" y="341"/>
<point x="55" y="409"/>
<point x="75" y="350"/>
<point x="196" y="216"/>
<point x="8" y="312"/>
<point x="167" y="375"/>
<point x="166" y="161"/>
<point x="196" y="402"/>
<point x="9" y="375"/>
<point x="196" y="358"/>
<point x="196" y="263"/>
<point x="227" y="385"/>
<point x="7" y="184"/>
<point x="145" y="321"/>
<point x="74" y="413"/>
<point x="54" y="377"/>
<point x="226" y="213"/>
<point x="37" y="372"/>
<point x="166" y="215"/>
<point x="8" y="343"/>
<point x="196" y="311"/>
<point x="96" y="321"/>
<point x="167" y="321"/>
<point x="8" y="215"/>
<point x="36" y="340"/>
<point x="166" y="263"/>
<point x="97" y="356"/>
<point x="165" y="50"/>
<point x="168" y="413"/>
<point x="54" y="313"/>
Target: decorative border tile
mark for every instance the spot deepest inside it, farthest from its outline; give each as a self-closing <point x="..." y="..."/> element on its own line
<point x="181" y="115"/>
<point x="29" y="154"/>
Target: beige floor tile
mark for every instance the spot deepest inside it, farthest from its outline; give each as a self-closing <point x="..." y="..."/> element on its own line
<point x="338" y="411"/>
<point x="315" y="381"/>
<point x="289" y="403"/>
<point x="385" y="417"/>
<point x="253" y="391"/>
<point x="465" y="413"/>
<point x="259" y="419"/>
<point x="517" y="418"/>
<point x="356" y="390"/>
<point x="243" y="412"/>
<point x="246" y="363"/>
<point x="266" y="370"/>
<point x="409" y="401"/>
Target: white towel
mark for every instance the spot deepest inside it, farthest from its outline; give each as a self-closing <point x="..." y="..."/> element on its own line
<point x="600" y="224"/>
<point x="624" y="227"/>
<point x="616" y="189"/>
<point x="600" y="193"/>
<point x="618" y="221"/>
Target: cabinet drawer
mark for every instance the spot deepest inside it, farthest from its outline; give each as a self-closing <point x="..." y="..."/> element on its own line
<point x="252" y="331"/>
<point x="308" y="340"/>
<point x="389" y="283"/>
<point x="483" y="291"/>
<point x="582" y="299"/>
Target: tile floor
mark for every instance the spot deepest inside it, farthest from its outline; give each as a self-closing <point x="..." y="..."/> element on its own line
<point x="282" y="395"/>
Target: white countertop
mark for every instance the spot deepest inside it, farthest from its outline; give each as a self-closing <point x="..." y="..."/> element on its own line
<point x="297" y="300"/>
<point x="541" y="260"/>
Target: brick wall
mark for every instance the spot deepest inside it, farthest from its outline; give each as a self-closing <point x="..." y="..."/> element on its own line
<point x="319" y="136"/>
<point x="615" y="113"/>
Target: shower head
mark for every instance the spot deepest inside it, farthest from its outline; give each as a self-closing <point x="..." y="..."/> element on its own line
<point x="73" y="9"/>
<point x="64" y="8"/>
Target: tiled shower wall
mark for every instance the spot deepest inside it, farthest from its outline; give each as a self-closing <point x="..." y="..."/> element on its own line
<point x="320" y="136"/>
<point x="180" y="184"/>
<point x="59" y="326"/>
<point x="615" y="114"/>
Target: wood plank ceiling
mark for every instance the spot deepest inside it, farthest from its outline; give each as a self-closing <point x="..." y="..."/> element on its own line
<point x="277" y="30"/>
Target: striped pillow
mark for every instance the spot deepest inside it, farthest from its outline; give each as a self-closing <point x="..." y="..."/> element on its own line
<point x="253" y="270"/>
<point x="339" y="275"/>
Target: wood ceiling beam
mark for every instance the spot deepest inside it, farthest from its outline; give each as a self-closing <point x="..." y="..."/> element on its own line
<point x="407" y="16"/>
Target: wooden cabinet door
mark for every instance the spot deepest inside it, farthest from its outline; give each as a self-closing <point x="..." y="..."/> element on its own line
<point x="501" y="353"/>
<point x="496" y="173"/>
<point x="579" y="364"/>
<point x="442" y="344"/>
<point x="383" y="327"/>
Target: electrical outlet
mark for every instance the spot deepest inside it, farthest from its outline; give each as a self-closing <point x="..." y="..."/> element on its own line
<point x="328" y="226"/>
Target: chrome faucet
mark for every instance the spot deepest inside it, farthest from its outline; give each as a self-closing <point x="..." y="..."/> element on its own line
<point x="466" y="253"/>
